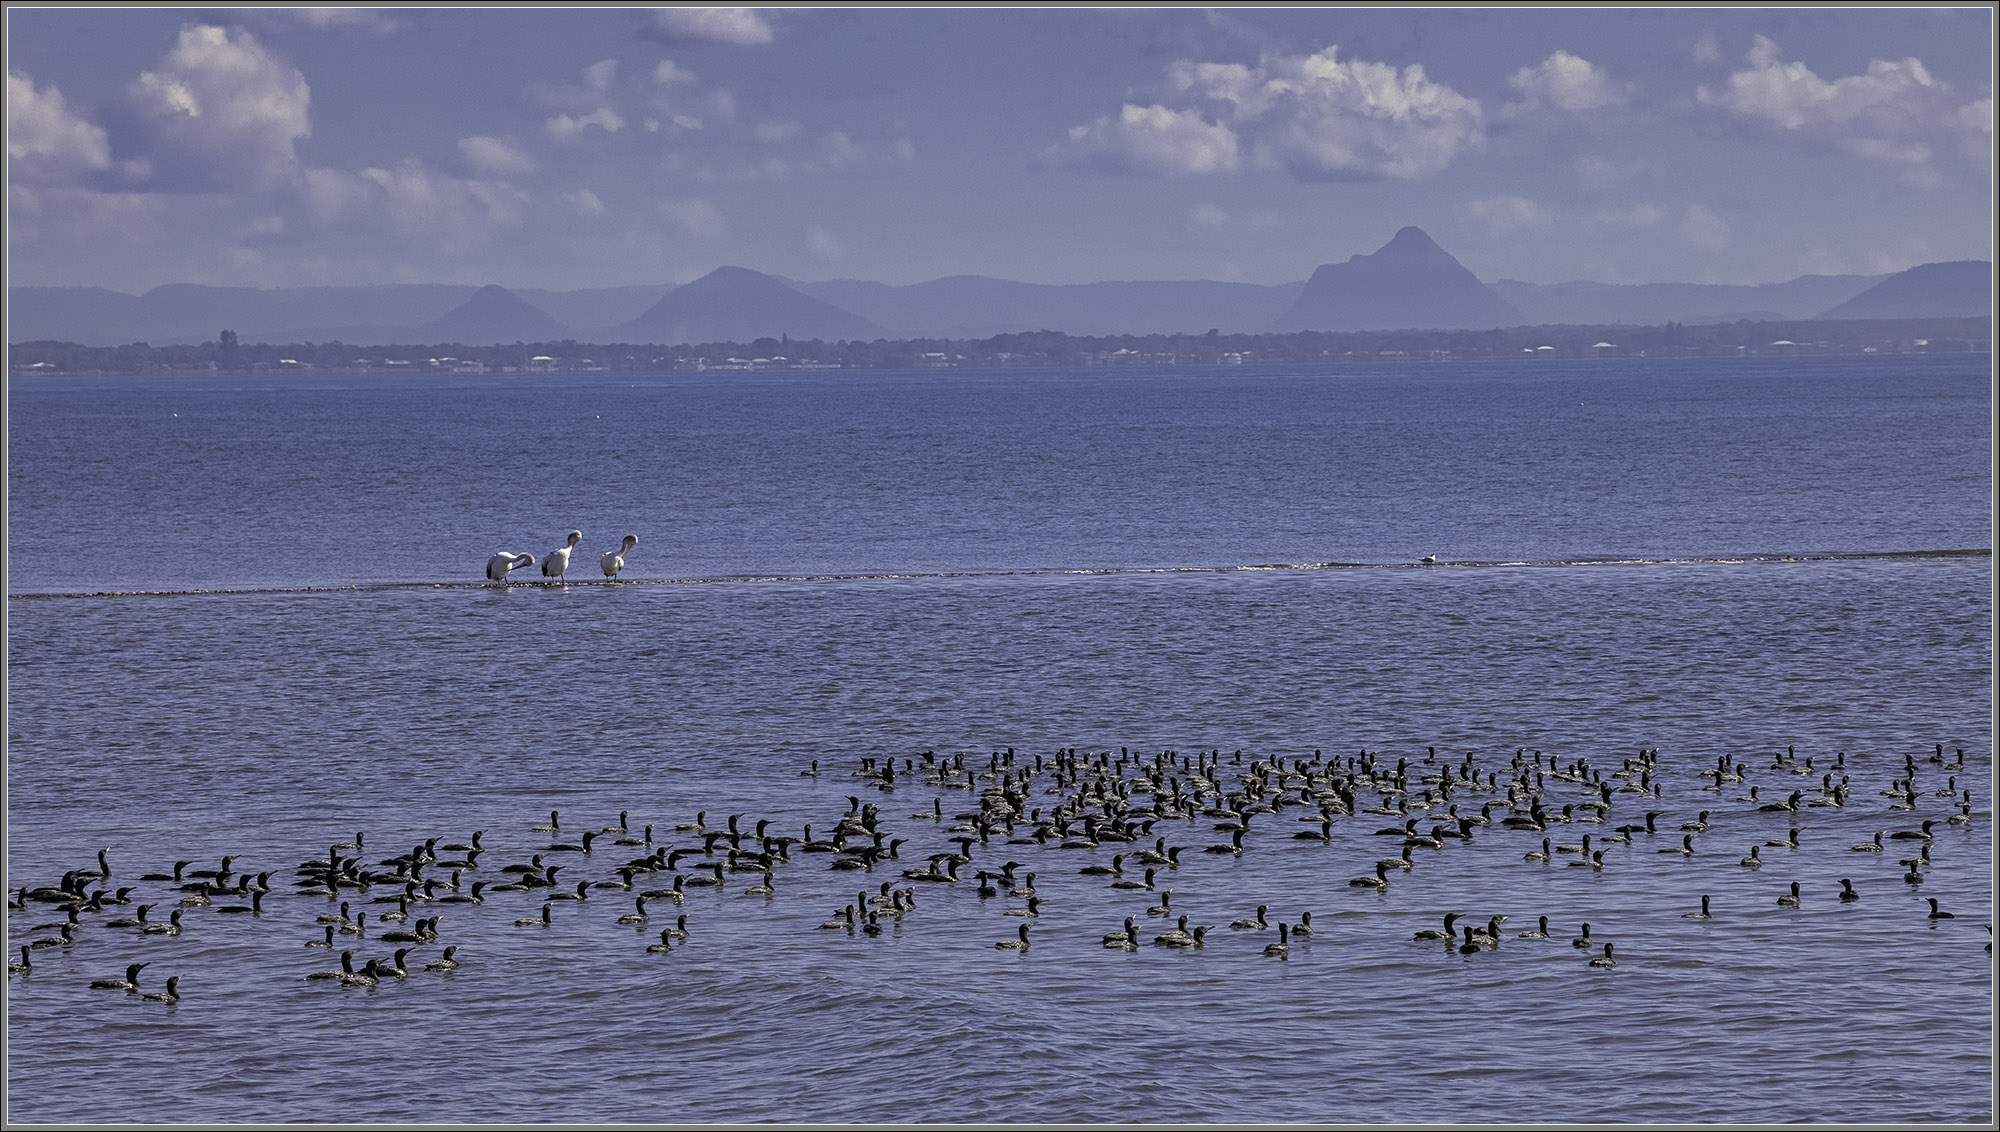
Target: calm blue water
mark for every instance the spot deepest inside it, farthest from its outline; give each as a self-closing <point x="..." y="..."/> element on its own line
<point x="1706" y="557"/>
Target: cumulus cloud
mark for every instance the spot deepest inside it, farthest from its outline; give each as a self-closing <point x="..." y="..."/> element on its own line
<point x="219" y="113"/>
<point x="600" y="75"/>
<point x="1597" y="172"/>
<point x="1506" y="217"/>
<point x="1977" y="116"/>
<point x="1212" y="219"/>
<point x="1706" y="48"/>
<point x="1315" y="116"/>
<point x="45" y="141"/>
<point x="838" y="151"/>
<point x="696" y="217"/>
<point x="746" y="26"/>
<point x="670" y="73"/>
<point x="415" y="204"/>
<point x="494" y="157"/>
<point x="376" y="22"/>
<point x="824" y="245"/>
<point x="586" y="203"/>
<point x="1324" y="119"/>
<point x="569" y="127"/>
<point x="1563" y="82"/>
<point x="1152" y="139"/>
<point x="1208" y="215"/>
<point x="1894" y="112"/>
<point x="1641" y="215"/>
<point x="1503" y="216"/>
<point x="1704" y="229"/>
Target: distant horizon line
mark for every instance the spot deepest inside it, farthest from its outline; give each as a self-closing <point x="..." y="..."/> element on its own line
<point x="12" y="286"/>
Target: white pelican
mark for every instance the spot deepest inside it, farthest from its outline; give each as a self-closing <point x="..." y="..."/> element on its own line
<point x="614" y="560"/>
<point x="556" y="561"/>
<point x="498" y="565"/>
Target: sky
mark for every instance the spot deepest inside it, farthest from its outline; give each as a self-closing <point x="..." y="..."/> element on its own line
<point x="567" y="149"/>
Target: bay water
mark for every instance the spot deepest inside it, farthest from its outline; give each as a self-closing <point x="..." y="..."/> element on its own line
<point x="247" y="617"/>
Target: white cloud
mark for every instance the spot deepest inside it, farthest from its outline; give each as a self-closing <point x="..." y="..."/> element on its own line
<point x="824" y="245"/>
<point x="1323" y="119"/>
<point x="670" y="73"/>
<point x="773" y="132"/>
<point x="1503" y="216"/>
<point x="1894" y="112"/>
<point x="45" y="142"/>
<point x="1563" y="82"/>
<point x="416" y="206"/>
<point x="1312" y="115"/>
<point x="1212" y="219"/>
<point x="1707" y="48"/>
<point x="600" y="75"/>
<point x="746" y="26"/>
<point x="586" y="203"/>
<point x="1152" y="139"/>
<point x="696" y="217"/>
<point x="70" y="217"/>
<point x="837" y="152"/>
<point x="220" y="112"/>
<point x="1704" y="228"/>
<point x="1977" y="116"/>
<point x="568" y="127"/>
<point x="374" y="22"/>
<point x="494" y="157"/>
<point x="1641" y="215"/>
<point x="1208" y="215"/>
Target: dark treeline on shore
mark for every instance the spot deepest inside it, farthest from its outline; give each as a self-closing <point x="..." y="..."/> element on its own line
<point x="1035" y="348"/>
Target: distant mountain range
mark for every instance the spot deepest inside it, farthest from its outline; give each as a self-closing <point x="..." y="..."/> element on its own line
<point x="1410" y="283"/>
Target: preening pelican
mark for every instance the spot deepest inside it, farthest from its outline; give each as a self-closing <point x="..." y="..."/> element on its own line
<point x="498" y="566"/>
<point x="556" y="561"/>
<point x="614" y="560"/>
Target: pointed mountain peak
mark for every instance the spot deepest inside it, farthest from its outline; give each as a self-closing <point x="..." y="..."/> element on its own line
<point x="494" y="314"/>
<point x="494" y="296"/>
<point x="1408" y="237"/>
<point x="736" y="304"/>
<point x="728" y="276"/>
<point x="1410" y="243"/>
<point x="1410" y="283"/>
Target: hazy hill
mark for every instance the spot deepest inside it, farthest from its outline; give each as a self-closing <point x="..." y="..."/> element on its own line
<point x="1650" y="304"/>
<point x="1410" y="283"/>
<point x="493" y="314"/>
<point x="92" y="316"/>
<point x="191" y="313"/>
<point x="974" y="306"/>
<point x="1959" y="289"/>
<point x="735" y="304"/>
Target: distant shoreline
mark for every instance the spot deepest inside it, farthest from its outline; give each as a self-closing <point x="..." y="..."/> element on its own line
<point x="1024" y="350"/>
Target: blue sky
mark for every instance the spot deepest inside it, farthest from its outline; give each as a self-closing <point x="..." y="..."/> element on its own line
<point x="568" y="149"/>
